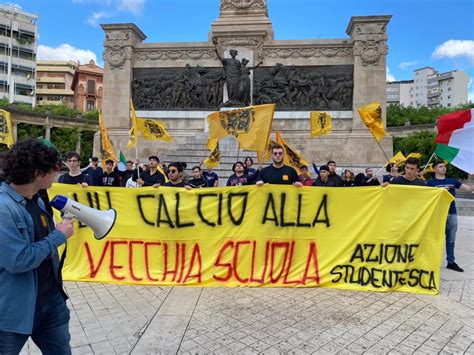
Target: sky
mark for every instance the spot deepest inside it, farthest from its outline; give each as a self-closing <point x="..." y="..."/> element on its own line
<point x="436" y="33"/>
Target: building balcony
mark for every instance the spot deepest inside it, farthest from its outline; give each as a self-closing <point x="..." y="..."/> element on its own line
<point x="48" y="79"/>
<point x="62" y="92"/>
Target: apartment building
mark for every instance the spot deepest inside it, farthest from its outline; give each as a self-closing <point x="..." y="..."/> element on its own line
<point x="88" y="87"/>
<point x="430" y="88"/>
<point x="53" y="82"/>
<point x="18" y="35"/>
<point x="399" y="91"/>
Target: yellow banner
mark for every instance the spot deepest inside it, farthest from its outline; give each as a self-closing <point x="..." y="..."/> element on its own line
<point x="321" y="123"/>
<point x="215" y="156"/>
<point x="276" y="236"/>
<point x="133" y="133"/>
<point x="153" y="130"/>
<point x="6" y="128"/>
<point x="249" y="125"/>
<point x="371" y="115"/>
<point x="106" y="150"/>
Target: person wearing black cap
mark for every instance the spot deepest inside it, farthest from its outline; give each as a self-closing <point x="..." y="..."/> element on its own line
<point x="238" y="178"/>
<point x="323" y="178"/>
<point x="152" y="177"/>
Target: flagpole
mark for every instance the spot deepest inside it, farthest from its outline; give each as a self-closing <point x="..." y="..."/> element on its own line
<point x="424" y="168"/>
<point x="383" y="151"/>
<point x="136" y="158"/>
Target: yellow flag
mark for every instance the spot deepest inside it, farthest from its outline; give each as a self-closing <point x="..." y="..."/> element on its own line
<point x="321" y="123"/>
<point x="133" y="133"/>
<point x="153" y="130"/>
<point x="106" y="150"/>
<point x="161" y="170"/>
<point x="371" y="115"/>
<point x="267" y="154"/>
<point x="6" y="128"/>
<point x="398" y="159"/>
<point x="292" y="157"/>
<point x="429" y="169"/>
<point x="414" y="155"/>
<point x="249" y="125"/>
<point x="214" y="158"/>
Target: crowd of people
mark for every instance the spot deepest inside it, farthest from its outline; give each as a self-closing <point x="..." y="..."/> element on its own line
<point x="32" y="298"/>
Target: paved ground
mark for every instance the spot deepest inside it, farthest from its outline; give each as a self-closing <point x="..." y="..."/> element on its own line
<point x="109" y="319"/>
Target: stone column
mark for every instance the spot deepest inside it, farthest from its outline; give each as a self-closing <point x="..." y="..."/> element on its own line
<point x="369" y="37"/>
<point x="119" y="43"/>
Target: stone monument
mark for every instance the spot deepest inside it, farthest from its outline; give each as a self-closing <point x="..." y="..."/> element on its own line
<point x="241" y="63"/>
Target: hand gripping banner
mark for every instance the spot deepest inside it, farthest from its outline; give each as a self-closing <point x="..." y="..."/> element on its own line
<point x="364" y="238"/>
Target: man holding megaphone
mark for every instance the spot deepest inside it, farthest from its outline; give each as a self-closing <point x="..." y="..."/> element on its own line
<point x="32" y="299"/>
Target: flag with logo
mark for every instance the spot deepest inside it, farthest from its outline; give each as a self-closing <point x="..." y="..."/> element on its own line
<point x="214" y="158"/>
<point x="249" y="125"/>
<point x="152" y="130"/>
<point x="414" y="155"/>
<point x="133" y="133"/>
<point x="292" y="157"/>
<point x="6" y="128"/>
<point x="321" y="123"/>
<point x="455" y="139"/>
<point x="106" y="150"/>
<point x="371" y="115"/>
<point x="398" y="159"/>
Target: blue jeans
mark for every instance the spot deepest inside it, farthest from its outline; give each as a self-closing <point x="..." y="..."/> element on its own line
<point x="451" y="228"/>
<point x="50" y="330"/>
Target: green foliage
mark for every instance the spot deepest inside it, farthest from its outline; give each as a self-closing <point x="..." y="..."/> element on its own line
<point x="397" y="115"/>
<point x="87" y="143"/>
<point x="91" y="116"/>
<point x="65" y="139"/>
<point x="423" y="143"/>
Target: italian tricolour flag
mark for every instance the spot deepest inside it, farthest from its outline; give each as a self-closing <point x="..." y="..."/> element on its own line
<point x="455" y="139"/>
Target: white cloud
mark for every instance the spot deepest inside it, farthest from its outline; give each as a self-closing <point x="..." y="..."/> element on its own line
<point x="95" y="17"/>
<point x="405" y="65"/>
<point x="135" y="7"/>
<point x="455" y="48"/>
<point x="65" y="52"/>
<point x="390" y="77"/>
<point x="12" y="4"/>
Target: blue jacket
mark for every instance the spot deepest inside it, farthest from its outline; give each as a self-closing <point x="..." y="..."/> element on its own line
<point x="20" y="255"/>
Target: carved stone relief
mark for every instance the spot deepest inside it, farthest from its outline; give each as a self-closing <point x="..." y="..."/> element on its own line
<point x="189" y="88"/>
<point x="304" y="88"/>
<point x="227" y="5"/>
<point x="307" y="52"/>
<point x="174" y="54"/>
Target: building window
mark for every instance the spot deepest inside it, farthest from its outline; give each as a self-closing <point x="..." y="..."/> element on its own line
<point x="90" y="105"/>
<point x="449" y="96"/>
<point x="449" y="105"/>
<point x="90" y="87"/>
<point x="449" y="89"/>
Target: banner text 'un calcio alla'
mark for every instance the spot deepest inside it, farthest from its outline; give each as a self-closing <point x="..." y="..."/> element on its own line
<point x="365" y="238"/>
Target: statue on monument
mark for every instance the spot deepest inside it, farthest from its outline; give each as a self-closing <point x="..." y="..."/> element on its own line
<point x="236" y="78"/>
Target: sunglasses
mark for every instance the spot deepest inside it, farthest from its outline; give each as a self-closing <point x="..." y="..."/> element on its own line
<point x="278" y="153"/>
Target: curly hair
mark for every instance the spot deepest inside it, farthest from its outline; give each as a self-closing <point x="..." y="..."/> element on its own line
<point x="27" y="159"/>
